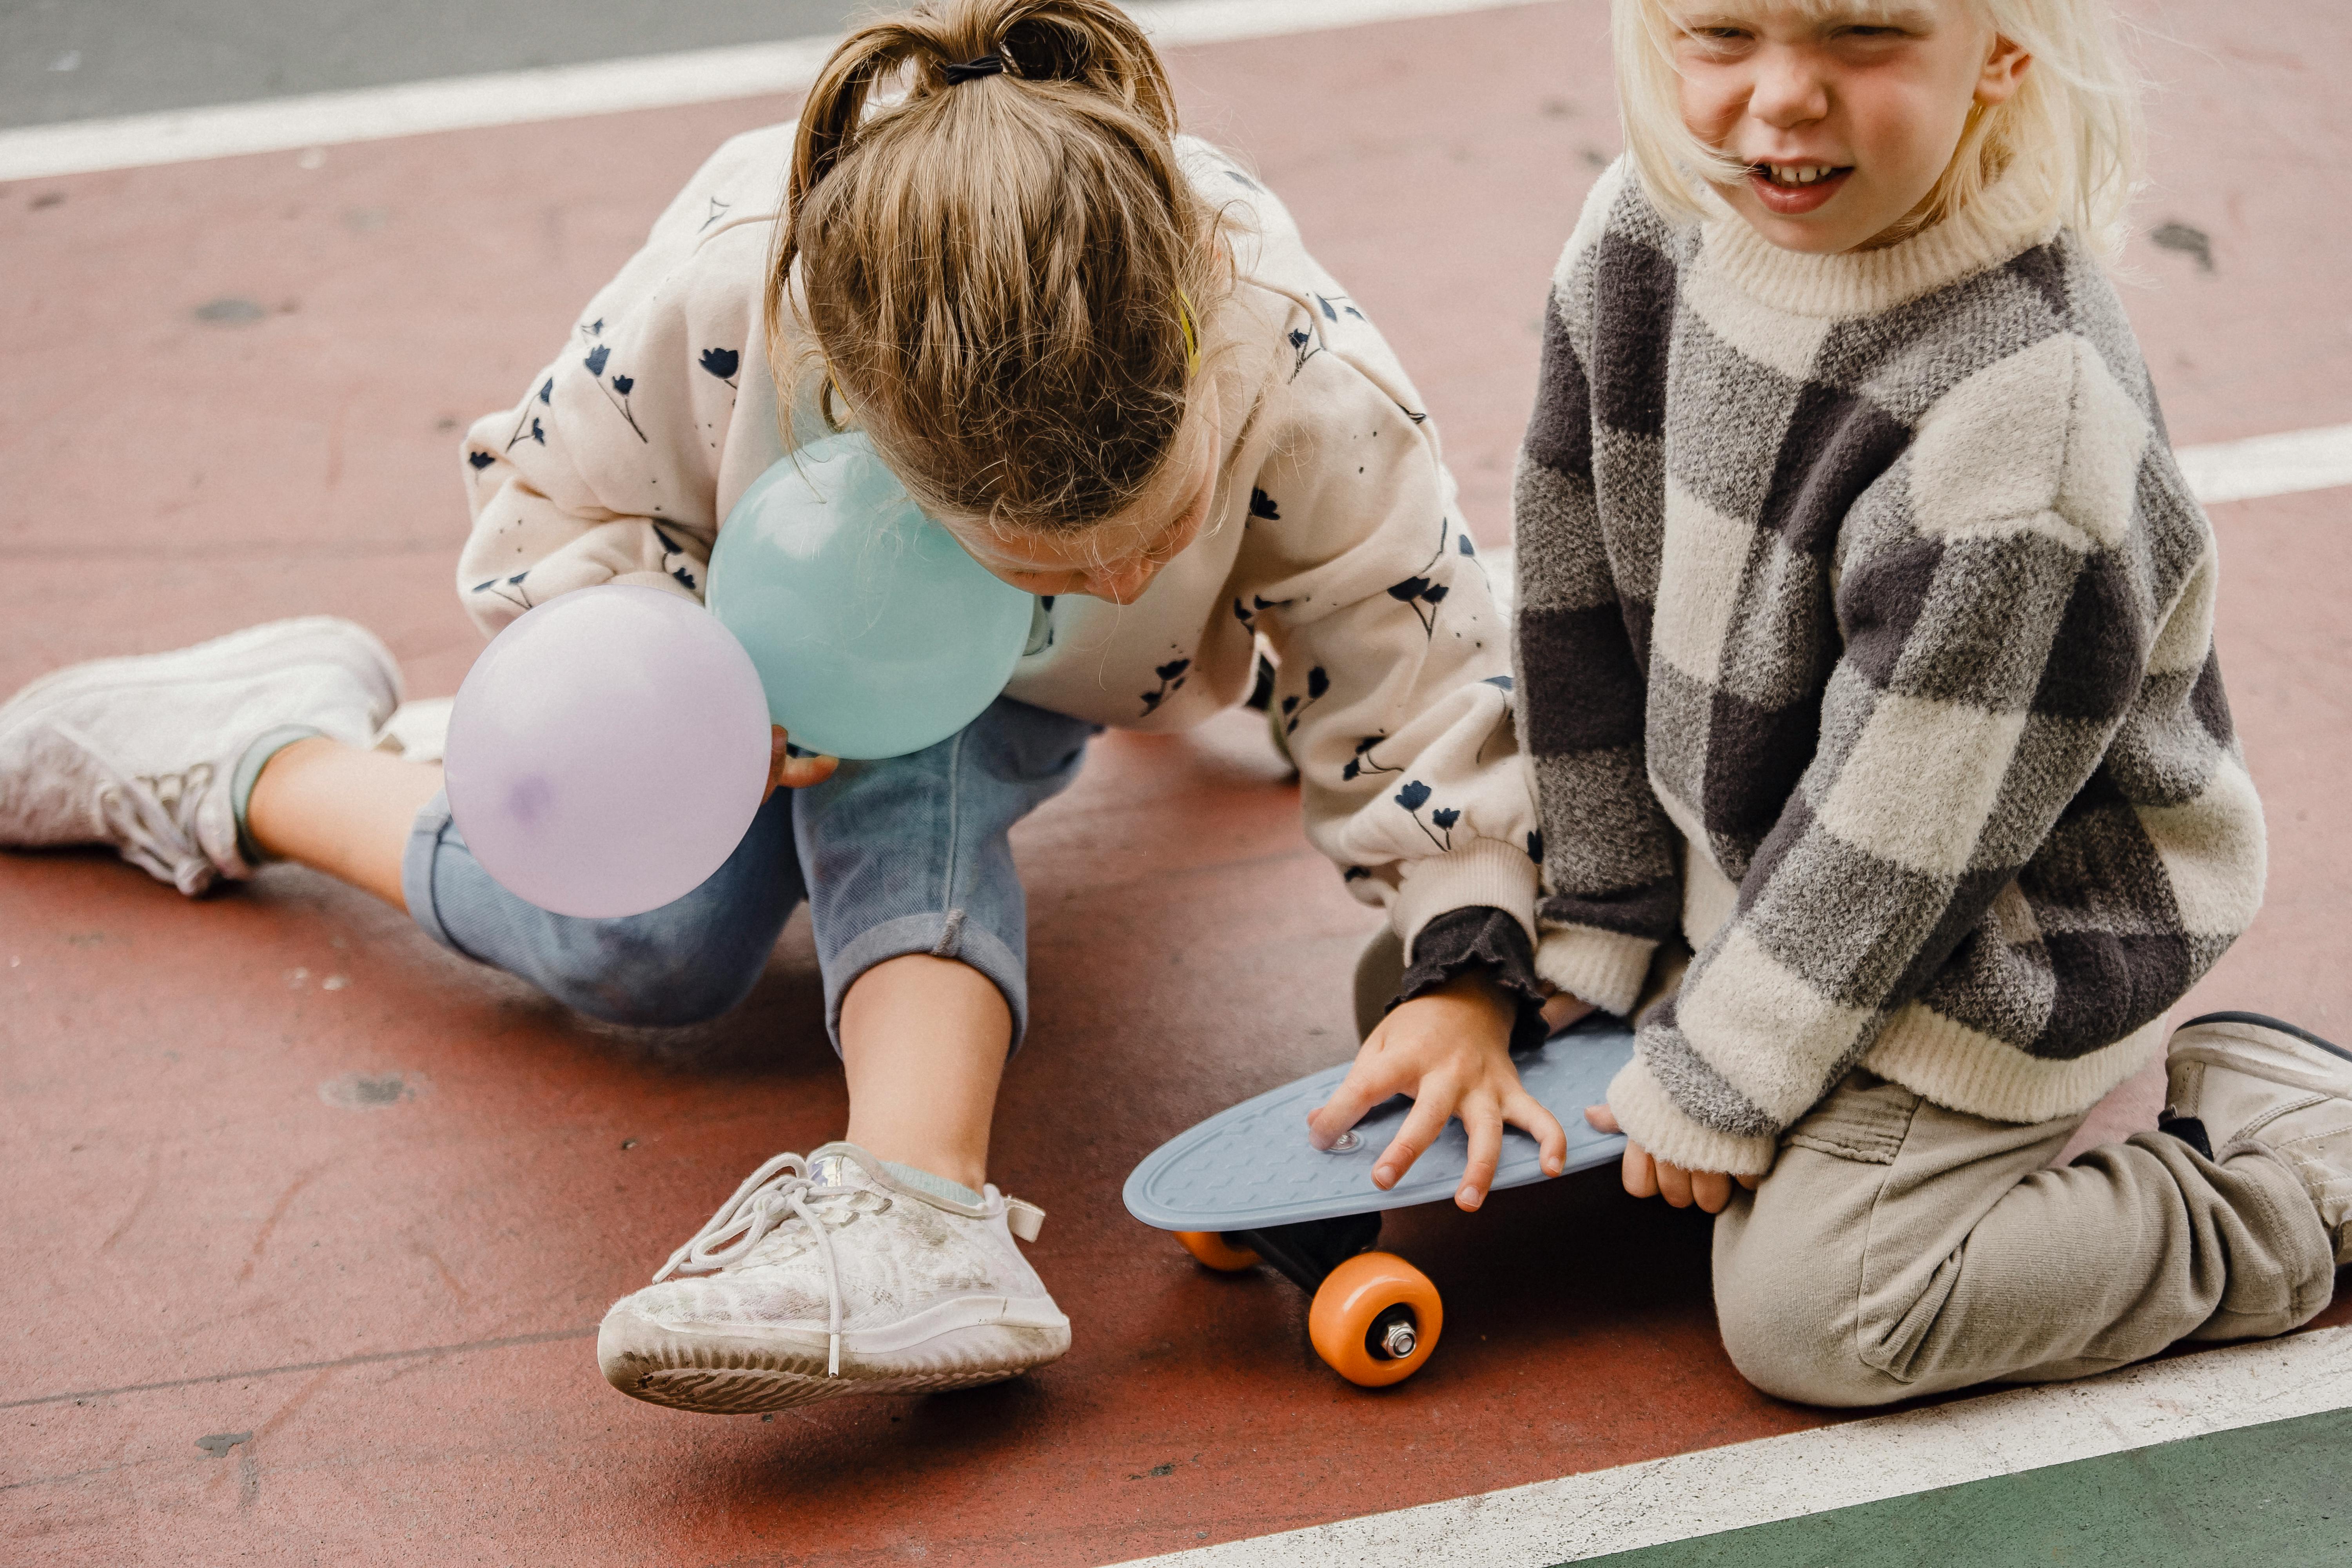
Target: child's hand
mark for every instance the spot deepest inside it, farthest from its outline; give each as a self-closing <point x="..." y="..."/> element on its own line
<point x="1562" y="1008"/>
<point x="1450" y="1049"/>
<point x="789" y="772"/>
<point x="1646" y="1177"/>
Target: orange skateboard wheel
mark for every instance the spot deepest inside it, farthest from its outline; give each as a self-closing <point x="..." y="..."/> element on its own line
<point x="1375" y="1320"/>
<point x="1217" y="1252"/>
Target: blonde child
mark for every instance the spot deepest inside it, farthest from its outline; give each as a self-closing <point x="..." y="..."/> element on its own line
<point x="1100" y="354"/>
<point x="1865" y="647"/>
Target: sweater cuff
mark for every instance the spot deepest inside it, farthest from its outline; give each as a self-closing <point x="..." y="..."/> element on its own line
<point x="1485" y="873"/>
<point x="1651" y="1119"/>
<point x="1605" y="968"/>
<point x="1483" y="942"/>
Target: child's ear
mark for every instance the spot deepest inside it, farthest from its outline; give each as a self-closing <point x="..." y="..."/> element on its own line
<point x="2003" y="73"/>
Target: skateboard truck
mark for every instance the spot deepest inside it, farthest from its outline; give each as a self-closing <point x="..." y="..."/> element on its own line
<point x="1306" y="1253"/>
<point x="1374" y="1318"/>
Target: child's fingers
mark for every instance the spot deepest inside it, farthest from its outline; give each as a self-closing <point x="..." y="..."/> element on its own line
<point x="1426" y="1120"/>
<point x="1525" y="1111"/>
<point x="1640" y="1172"/>
<point x="1711" y="1190"/>
<point x="1562" y="1008"/>
<point x="1673" y="1184"/>
<point x="1647" y="1177"/>
<point x="1601" y="1117"/>
<point x="1483" y="1120"/>
<point x="790" y="771"/>
<point x="1368" y="1082"/>
<point x="776" y="756"/>
<point x="800" y="773"/>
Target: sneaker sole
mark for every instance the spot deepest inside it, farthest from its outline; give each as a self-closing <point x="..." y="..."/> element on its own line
<point x="741" y="1376"/>
<point x="256" y="650"/>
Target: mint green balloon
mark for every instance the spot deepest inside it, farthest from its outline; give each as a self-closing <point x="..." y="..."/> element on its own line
<point x="874" y="632"/>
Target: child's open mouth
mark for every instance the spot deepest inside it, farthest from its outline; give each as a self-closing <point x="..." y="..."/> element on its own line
<point x="1793" y="188"/>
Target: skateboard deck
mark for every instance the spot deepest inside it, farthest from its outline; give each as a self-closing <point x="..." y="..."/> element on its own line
<point x="1252" y="1166"/>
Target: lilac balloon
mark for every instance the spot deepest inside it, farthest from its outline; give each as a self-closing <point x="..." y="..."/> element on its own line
<point x="608" y="751"/>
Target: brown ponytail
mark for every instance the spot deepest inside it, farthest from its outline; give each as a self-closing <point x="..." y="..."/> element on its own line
<point x="1004" y="277"/>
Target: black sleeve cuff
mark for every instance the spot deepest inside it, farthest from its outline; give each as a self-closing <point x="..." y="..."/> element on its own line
<point x="1485" y="941"/>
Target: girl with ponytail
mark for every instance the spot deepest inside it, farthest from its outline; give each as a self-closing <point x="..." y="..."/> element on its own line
<point x="1099" y="353"/>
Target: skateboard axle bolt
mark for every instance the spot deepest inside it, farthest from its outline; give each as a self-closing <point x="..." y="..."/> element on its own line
<point x="1400" y="1341"/>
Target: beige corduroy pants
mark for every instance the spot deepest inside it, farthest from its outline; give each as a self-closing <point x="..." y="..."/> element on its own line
<point x="1897" y="1248"/>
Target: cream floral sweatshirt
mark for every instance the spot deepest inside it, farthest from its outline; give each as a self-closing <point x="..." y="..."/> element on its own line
<point x="1334" y="534"/>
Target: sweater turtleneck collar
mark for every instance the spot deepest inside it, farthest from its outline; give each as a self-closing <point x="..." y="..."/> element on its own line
<point x="1996" y="226"/>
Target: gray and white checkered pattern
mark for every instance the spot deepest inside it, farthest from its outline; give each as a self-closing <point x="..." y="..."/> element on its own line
<point x="1872" y="649"/>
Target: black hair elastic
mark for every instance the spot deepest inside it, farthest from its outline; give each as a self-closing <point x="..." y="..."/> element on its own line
<point x="972" y="70"/>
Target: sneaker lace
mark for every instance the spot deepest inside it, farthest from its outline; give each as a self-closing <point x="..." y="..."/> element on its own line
<point x="154" y="817"/>
<point x="772" y="1196"/>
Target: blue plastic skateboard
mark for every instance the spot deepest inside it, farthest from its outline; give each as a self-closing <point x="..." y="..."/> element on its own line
<point x="1245" y="1186"/>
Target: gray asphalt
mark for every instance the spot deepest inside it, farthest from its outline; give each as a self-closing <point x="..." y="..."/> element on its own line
<point x="80" y="59"/>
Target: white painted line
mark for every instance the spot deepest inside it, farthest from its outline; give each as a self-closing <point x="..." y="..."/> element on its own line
<point x="461" y="103"/>
<point x="1177" y="22"/>
<point x="1863" y="1461"/>
<point x="604" y="87"/>
<point x="2270" y="465"/>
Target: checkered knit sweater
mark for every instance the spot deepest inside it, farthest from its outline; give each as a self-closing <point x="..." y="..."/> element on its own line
<point x="1866" y="643"/>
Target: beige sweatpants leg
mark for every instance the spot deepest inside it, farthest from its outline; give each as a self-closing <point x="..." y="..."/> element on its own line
<point x="1897" y="1248"/>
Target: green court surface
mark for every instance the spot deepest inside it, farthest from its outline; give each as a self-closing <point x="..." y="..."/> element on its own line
<point x="2279" y="1495"/>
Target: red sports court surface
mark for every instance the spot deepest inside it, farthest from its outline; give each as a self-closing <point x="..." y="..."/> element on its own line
<point x="212" y="1231"/>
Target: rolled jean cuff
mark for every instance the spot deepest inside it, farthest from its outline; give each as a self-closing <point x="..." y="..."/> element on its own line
<point x="425" y="839"/>
<point x="942" y="934"/>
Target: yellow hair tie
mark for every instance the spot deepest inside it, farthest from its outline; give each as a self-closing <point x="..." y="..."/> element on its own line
<point x="1191" y="338"/>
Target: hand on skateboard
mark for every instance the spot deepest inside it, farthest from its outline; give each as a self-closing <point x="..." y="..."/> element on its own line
<point x="1450" y="1050"/>
<point x="1243" y="1187"/>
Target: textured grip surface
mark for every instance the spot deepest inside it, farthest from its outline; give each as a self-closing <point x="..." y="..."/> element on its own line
<point x="1251" y="1165"/>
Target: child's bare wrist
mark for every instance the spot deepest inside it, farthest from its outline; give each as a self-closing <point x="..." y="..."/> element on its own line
<point x="1479" y="987"/>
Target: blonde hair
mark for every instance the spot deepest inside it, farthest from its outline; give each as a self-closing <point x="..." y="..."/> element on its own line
<point x="1002" y="276"/>
<point x="2071" y="132"/>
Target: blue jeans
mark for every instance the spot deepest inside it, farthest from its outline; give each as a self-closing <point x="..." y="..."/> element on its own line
<point x="907" y="855"/>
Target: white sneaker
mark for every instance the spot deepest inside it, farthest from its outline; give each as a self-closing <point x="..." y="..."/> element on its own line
<point x="2241" y="1079"/>
<point x="137" y="752"/>
<point x="823" y="1277"/>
